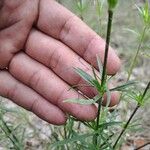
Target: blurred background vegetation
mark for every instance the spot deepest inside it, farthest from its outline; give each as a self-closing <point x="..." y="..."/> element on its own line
<point x="36" y="134"/>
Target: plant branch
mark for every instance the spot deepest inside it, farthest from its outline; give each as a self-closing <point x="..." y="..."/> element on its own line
<point x="126" y="125"/>
<point x="137" y="52"/>
<point x="132" y="115"/>
<point x="148" y="143"/>
<point x="81" y="9"/>
<point x="146" y="89"/>
<point x="99" y="14"/>
<point x="109" y="25"/>
<point x="10" y="135"/>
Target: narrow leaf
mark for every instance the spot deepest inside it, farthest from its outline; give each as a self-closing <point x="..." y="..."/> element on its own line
<point x="100" y="65"/>
<point x="132" y="31"/>
<point x="80" y="101"/>
<point x="67" y="141"/>
<point x="96" y="81"/>
<point x="108" y="124"/>
<point x="124" y="86"/>
<point x="108" y="93"/>
<point x="85" y="76"/>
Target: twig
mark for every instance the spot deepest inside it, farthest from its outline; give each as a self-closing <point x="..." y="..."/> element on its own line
<point x="99" y="14"/>
<point x="137" y="52"/>
<point x="142" y="146"/>
<point x="135" y="110"/>
<point x="126" y="125"/>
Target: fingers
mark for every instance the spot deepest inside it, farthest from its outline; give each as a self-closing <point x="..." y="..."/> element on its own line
<point x="62" y="60"/>
<point x="115" y="97"/>
<point x="15" y="15"/>
<point x="29" y="99"/>
<point x="73" y="32"/>
<point x="58" y="57"/>
<point x="50" y="86"/>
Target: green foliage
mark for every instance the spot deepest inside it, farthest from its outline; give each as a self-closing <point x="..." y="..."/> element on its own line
<point x="10" y="133"/>
<point x="92" y="81"/>
<point x="73" y="139"/>
<point x="139" y="97"/>
<point x="140" y="101"/>
<point x="85" y="76"/>
<point x="145" y="13"/>
<point x="124" y="87"/>
<point x="81" y="6"/>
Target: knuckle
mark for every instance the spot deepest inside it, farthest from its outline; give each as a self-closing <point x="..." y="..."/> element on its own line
<point x="5" y="58"/>
<point x="34" y="106"/>
<point x="66" y="27"/>
<point x="12" y="62"/>
<point x="60" y="96"/>
<point x="35" y="78"/>
<point x="11" y="92"/>
<point x="54" y="59"/>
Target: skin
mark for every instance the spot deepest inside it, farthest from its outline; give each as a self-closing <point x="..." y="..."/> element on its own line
<point x="40" y="44"/>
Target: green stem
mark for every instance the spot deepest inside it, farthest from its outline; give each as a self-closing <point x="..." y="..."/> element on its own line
<point x="125" y="127"/>
<point x="65" y="132"/>
<point x="10" y="135"/>
<point x="97" y="121"/>
<point x="81" y="9"/>
<point x="98" y="117"/>
<point x="59" y="1"/>
<point x="142" y="146"/>
<point x="109" y="25"/>
<point x="135" y="110"/>
<point x="129" y="75"/>
<point x="99" y="14"/>
<point x="146" y="89"/>
<point x="103" y="144"/>
<point x="137" y="52"/>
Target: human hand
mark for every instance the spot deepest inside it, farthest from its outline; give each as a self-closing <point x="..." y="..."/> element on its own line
<point x="40" y="44"/>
